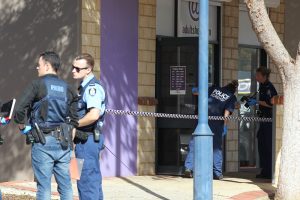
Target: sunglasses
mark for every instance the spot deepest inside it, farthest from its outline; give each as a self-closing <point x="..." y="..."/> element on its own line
<point x="78" y="69"/>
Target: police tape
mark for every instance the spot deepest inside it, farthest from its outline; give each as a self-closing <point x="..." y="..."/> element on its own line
<point x="182" y="116"/>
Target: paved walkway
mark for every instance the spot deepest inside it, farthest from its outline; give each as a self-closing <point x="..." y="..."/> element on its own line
<point x="161" y="188"/>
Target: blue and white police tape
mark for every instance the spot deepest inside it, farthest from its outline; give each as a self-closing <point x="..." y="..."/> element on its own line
<point x="182" y="116"/>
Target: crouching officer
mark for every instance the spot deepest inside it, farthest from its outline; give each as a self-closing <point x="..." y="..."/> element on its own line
<point x="88" y="139"/>
<point x="49" y="101"/>
<point x="221" y="102"/>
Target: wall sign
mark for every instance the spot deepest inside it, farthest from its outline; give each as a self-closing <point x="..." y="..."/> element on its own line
<point x="177" y="80"/>
<point x="188" y="20"/>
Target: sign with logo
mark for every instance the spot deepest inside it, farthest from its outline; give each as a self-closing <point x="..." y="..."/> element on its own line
<point x="177" y="80"/>
<point x="244" y="86"/>
<point x="188" y="20"/>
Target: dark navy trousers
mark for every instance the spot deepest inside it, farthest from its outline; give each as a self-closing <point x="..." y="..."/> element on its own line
<point x="264" y="139"/>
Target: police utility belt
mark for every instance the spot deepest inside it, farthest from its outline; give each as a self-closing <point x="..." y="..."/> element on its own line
<point x="82" y="136"/>
<point x="63" y="133"/>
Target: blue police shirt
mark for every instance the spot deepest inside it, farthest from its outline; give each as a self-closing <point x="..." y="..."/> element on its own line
<point x="219" y="100"/>
<point x="94" y="95"/>
<point x="266" y="92"/>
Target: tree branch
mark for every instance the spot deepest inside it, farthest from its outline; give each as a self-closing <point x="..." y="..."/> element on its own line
<point x="269" y="38"/>
<point x="298" y="55"/>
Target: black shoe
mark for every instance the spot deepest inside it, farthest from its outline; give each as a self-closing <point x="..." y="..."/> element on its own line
<point x="188" y="173"/>
<point x="218" y="177"/>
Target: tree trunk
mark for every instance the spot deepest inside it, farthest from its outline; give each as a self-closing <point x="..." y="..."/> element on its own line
<point x="289" y="174"/>
<point x="289" y="69"/>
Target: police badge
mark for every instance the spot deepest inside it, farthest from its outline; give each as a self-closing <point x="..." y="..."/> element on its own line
<point x="92" y="91"/>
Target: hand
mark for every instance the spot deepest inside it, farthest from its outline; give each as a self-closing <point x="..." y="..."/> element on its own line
<point x="225" y="130"/>
<point x="194" y="90"/>
<point x="4" y="121"/>
<point x="26" y="130"/>
<point x="252" y="102"/>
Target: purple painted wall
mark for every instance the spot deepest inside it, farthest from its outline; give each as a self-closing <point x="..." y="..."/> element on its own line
<point x="119" y="74"/>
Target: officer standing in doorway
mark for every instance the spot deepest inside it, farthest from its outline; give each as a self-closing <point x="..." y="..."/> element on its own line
<point x="221" y="102"/>
<point x="264" y="135"/>
<point x="50" y="102"/>
<point x="88" y="139"/>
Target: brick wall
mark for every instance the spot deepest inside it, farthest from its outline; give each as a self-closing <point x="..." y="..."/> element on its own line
<point x="146" y="86"/>
<point x="90" y="31"/>
<point x="277" y="18"/>
<point x="230" y="72"/>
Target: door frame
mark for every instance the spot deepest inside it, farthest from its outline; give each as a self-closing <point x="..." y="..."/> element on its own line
<point x="262" y="60"/>
<point x="182" y="41"/>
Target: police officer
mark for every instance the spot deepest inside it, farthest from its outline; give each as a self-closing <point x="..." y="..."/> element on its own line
<point x="49" y="101"/>
<point x="264" y="135"/>
<point x="221" y="102"/>
<point x="91" y="109"/>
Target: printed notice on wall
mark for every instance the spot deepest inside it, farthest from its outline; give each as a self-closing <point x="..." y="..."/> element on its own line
<point x="177" y="80"/>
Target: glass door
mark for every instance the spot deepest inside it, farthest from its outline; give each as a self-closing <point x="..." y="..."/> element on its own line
<point x="173" y="135"/>
<point x="249" y="60"/>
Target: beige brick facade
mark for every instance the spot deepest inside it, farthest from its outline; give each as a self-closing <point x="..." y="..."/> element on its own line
<point x="146" y="85"/>
<point x="146" y="69"/>
<point x="90" y="31"/>
<point x="229" y="72"/>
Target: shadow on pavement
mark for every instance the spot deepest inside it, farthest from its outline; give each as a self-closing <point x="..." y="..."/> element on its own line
<point x="249" y="178"/>
<point x="144" y="188"/>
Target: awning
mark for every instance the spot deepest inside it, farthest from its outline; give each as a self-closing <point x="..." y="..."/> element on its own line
<point x="269" y="3"/>
<point x="272" y="3"/>
<point x="219" y="1"/>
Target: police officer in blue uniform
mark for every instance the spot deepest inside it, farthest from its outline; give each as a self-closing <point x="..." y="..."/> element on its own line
<point x="91" y="110"/>
<point x="221" y="102"/>
<point x="264" y="135"/>
<point x="50" y="102"/>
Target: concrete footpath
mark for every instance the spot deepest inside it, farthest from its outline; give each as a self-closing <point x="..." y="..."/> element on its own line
<point x="158" y="187"/>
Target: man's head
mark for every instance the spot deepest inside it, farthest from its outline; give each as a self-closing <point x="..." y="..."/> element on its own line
<point x="49" y="63"/>
<point x="82" y="66"/>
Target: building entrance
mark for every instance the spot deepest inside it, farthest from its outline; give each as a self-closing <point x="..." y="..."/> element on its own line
<point x="178" y="56"/>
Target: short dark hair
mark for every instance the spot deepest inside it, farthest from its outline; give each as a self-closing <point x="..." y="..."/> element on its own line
<point x="88" y="58"/>
<point x="52" y="58"/>
<point x="264" y="71"/>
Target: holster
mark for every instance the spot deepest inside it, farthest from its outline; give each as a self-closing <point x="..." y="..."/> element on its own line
<point x="36" y="136"/>
<point x="66" y="136"/>
<point x="30" y="139"/>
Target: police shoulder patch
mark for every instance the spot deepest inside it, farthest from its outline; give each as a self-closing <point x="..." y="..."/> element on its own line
<point x="92" y="91"/>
